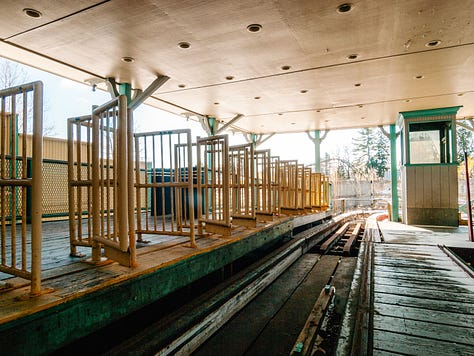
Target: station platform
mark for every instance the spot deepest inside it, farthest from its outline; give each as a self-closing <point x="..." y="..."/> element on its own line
<point x="80" y="298"/>
<point x="410" y="294"/>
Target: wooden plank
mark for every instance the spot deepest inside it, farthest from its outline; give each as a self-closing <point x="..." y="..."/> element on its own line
<point x="353" y="238"/>
<point x="413" y="345"/>
<point x="422" y="272"/>
<point x="435" y="331"/>
<point x="442" y="305"/>
<point x="436" y="186"/>
<point x="415" y="284"/>
<point x="432" y="316"/>
<point x="451" y="280"/>
<point x="334" y="238"/>
<point x="427" y="187"/>
<point x="305" y="341"/>
<point x="433" y="294"/>
<point x="441" y="265"/>
<point x="444" y="193"/>
<point x="419" y="184"/>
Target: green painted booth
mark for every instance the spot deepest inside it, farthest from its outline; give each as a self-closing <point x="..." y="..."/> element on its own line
<point x="429" y="167"/>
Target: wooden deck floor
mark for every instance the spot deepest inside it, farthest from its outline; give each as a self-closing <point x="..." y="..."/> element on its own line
<point x="423" y="302"/>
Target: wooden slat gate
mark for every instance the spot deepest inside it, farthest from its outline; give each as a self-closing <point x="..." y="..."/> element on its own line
<point x="213" y="184"/>
<point x="20" y="245"/>
<point x="289" y="187"/>
<point x="263" y="178"/>
<point x="167" y="181"/>
<point x="242" y="185"/>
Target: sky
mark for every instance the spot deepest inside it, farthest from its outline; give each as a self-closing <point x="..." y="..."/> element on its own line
<point x="64" y="98"/>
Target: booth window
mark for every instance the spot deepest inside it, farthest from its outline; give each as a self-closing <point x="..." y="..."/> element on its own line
<point x="430" y="142"/>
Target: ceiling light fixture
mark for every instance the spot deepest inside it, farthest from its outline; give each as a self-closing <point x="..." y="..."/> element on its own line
<point x="343" y="8"/>
<point x="229" y="77"/>
<point x="128" y="59"/>
<point x="254" y="28"/>
<point x="433" y="43"/>
<point x="407" y="100"/>
<point x="352" y="56"/>
<point x="293" y="123"/>
<point x="216" y="103"/>
<point x="184" y="45"/>
<point x="303" y="91"/>
<point x="257" y="97"/>
<point x="419" y="77"/>
<point x="285" y="67"/>
<point x="357" y="84"/>
<point x="361" y="106"/>
<point x="460" y="94"/>
<point x="35" y="14"/>
<point x="182" y="86"/>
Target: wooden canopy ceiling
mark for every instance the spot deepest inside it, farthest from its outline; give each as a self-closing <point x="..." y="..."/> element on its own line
<point x="304" y="65"/>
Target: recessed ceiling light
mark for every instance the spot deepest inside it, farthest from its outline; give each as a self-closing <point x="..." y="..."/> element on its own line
<point x="285" y="67"/>
<point x="128" y="59"/>
<point x="318" y="110"/>
<point x="182" y="86"/>
<point x="326" y="120"/>
<point x="361" y="106"/>
<point x="254" y="27"/>
<point x="343" y="8"/>
<point x="352" y="56"/>
<point x="184" y="45"/>
<point x="216" y="103"/>
<point x="407" y="100"/>
<point x="419" y="77"/>
<point x="35" y="14"/>
<point x="362" y="118"/>
<point x="257" y="97"/>
<point x="280" y="114"/>
<point x="229" y="77"/>
<point x="303" y="91"/>
<point x="433" y="43"/>
<point x="357" y="84"/>
<point x="293" y="123"/>
<point x="460" y="94"/>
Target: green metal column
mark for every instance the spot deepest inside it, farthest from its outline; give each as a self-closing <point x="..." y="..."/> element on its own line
<point x="317" y="151"/>
<point x="126" y="88"/>
<point x="393" y="170"/>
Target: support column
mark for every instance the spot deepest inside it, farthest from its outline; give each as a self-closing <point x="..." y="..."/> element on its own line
<point x="393" y="170"/>
<point x="317" y="139"/>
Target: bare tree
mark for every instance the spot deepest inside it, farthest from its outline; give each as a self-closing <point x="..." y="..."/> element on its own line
<point x="13" y="74"/>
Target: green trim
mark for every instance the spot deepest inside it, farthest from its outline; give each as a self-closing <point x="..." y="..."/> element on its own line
<point x="430" y="164"/>
<point x="126" y="88"/>
<point x="452" y="110"/>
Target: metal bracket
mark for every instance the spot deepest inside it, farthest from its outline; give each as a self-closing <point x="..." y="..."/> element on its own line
<point x="235" y="119"/>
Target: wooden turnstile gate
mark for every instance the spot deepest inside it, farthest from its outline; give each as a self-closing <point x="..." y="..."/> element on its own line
<point x="213" y="184"/>
<point x="164" y="183"/>
<point x="110" y="212"/>
<point x="242" y="185"/>
<point x="20" y="182"/>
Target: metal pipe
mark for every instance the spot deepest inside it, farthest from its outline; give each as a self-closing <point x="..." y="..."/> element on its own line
<point x="37" y="188"/>
<point x="469" y="208"/>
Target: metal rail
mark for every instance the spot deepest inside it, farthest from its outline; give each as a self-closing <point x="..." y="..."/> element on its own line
<point x="80" y="182"/>
<point x="20" y="107"/>
<point x="166" y="157"/>
<point x="242" y="185"/>
<point x="213" y="184"/>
